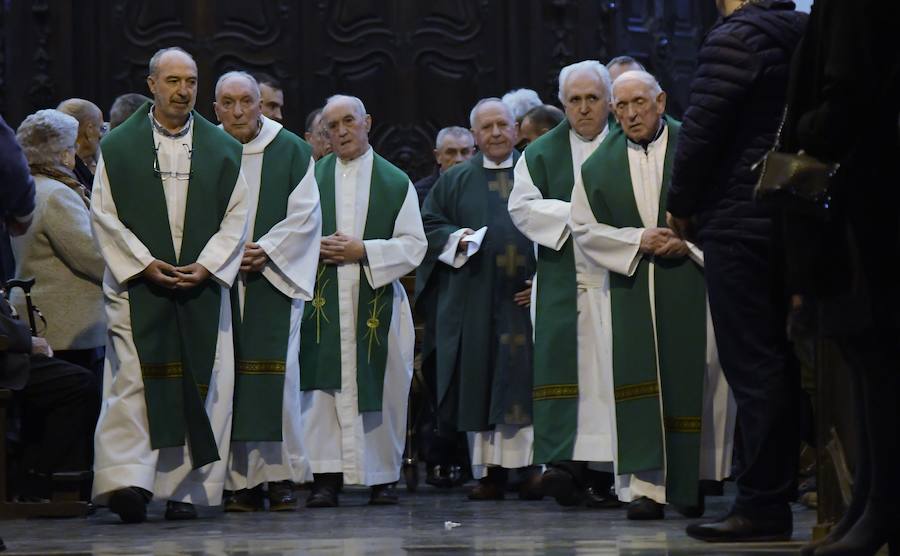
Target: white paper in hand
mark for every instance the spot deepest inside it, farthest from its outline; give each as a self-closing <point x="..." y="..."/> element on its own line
<point x="473" y="241"/>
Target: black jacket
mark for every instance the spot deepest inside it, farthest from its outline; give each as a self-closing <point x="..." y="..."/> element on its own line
<point x="736" y="102"/>
<point x="15" y="351"/>
<point x="424" y="185"/>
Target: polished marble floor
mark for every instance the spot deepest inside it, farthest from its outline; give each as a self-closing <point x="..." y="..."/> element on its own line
<point x="416" y="526"/>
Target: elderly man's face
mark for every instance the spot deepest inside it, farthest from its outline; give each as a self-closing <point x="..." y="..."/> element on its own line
<point x="454" y="150"/>
<point x="90" y="133"/>
<point x="348" y="130"/>
<point x="238" y="108"/>
<point x="638" y="109"/>
<point x="174" y="86"/>
<point x="272" y="102"/>
<point x="317" y="137"/>
<point x="529" y="131"/>
<point x="494" y="131"/>
<point x="586" y="103"/>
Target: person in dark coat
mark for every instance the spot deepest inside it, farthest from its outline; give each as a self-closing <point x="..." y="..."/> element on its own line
<point x="452" y="146"/>
<point x="16" y="196"/>
<point x="736" y="102"/>
<point x="842" y="107"/>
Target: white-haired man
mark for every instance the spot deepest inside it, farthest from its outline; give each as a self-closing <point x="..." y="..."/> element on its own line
<point x="482" y="335"/>
<point x="573" y="413"/>
<point x="171" y="257"/>
<point x="278" y="270"/>
<point x="520" y="101"/>
<point x="357" y="336"/>
<point x="650" y="313"/>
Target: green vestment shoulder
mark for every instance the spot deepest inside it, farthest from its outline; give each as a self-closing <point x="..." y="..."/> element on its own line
<point x="320" y="353"/>
<point x="261" y="333"/>
<point x="658" y="366"/>
<point x="549" y="161"/>
<point x="175" y="332"/>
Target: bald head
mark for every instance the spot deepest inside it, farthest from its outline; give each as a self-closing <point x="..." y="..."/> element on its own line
<point x="90" y="124"/>
<point x="639" y="103"/>
<point x="173" y="82"/>
<point x="348" y="126"/>
<point x="639" y="76"/>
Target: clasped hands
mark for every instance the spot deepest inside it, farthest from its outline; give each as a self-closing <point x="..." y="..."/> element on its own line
<point x="340" y="248"/>
<point x="663" y="242"/>
<point x="173" y="277"/>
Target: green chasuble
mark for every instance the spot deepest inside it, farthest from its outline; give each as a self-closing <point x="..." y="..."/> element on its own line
<point x="657" y="412"/>
<point x="483" y="349"/>
<point x="556" y="309"/>
<point x="320" y="353"/>
<point x="175" y="332"/>
<point x="261" y="333"/>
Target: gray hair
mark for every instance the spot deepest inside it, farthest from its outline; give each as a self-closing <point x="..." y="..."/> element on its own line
<point x="624" y="61"/>
<point x="45" y="134"/>
<point x="478" y="105"/>
<point x="154" y="60"/>
<point x="453" y="131"/>
<point x="590" y="66"/>
<point x="82" y="110"/>
<point x="124" y="106"/>
<point x="638" y="75"/>
<point x="360" y="107"/>
<point x="254" y="85"/>
<point x="520" y="101"/>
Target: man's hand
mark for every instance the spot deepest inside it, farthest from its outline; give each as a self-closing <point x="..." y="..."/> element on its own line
<point x="191" y="276"/>
<point x="463" y="245"/>
<point x="39" y="346"/>
<point x="681" y="226"/>
<point x="17" y="227"/>
<point x="161" y="273"/>
<point x="654" y="239"/>
<point x="523" y="298"/>
<point x="339" y="248"/>
<point x="673" y="249"/>
<point x="254" y="258"/>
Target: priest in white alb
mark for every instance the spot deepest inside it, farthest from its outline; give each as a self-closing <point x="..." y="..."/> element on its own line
<point x="573" y="405"/>
<point x="278" y="270"/>
<point x="356" y="340"/>
<point x="673" y="421"/>
<point x="169" y="215"/>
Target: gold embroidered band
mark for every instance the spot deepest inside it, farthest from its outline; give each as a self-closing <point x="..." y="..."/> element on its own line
<point x="162" y="370"/>
<point x="555" y="392"/>
<point x="261" y="367"/>
<point x="683" y="424"/>
<point x="637" y="391"/>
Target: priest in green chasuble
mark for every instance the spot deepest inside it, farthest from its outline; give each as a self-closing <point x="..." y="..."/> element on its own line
<point x="356" y="338"/>
<point x="673" y="414"/>
<point x="478" y="267"/>
<point x="278" y="270"/>
<point x="169" y="210"/>
<point x="573" y="408"/>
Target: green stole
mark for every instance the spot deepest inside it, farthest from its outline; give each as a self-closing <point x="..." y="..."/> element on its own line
<point x="175" y="332"/>
<point x="679" y="347"/>
<point x="261" y="334"/>
<point x="320" y="352"/>
<point x="556" y="311"/>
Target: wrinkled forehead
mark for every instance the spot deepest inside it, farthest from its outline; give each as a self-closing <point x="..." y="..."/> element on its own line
<point x="340" y="109"/>
<point x="491" y="112"/>
<point x="176" y="64"/>
<point x="237" y="86"/>
<point x="583" y="82"/>
<point x="457" y="142"/>
<point x="626" y="89"/>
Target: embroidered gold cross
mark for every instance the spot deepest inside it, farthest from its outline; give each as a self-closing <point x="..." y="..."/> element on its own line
<point x="514" y="341"/>
<point x="511" y="260"/>
<point x="373" y="321"/>
<point x="502" y="185"/>
<point x="318" y="302"/>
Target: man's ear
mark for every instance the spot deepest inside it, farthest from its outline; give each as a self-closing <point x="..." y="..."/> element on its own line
<point x="435" y="151"/>
<point x="151" y="84"/>
<point x="661" y="101"/>
<point x="368" y="123"/>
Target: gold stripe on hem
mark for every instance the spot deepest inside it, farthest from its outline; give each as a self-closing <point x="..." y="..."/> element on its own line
<point x="683" y="424"/>
<point x="637" y="391"/>
<point x="261" y="367"/>
<point x="162" y="370"/>
<point x="555" y="392"/>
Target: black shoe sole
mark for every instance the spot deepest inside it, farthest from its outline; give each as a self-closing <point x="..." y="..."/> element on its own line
<point x="129" y="505"/>
<point x="563" y="489"/>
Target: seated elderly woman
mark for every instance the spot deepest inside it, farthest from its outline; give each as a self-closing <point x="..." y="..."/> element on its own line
<point x="58" y="249"/>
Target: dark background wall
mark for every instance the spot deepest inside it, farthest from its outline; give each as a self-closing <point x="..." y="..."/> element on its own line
<point x="418" y="65"/>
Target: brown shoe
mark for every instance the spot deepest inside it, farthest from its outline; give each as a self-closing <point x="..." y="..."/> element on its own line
<point x="486" y="490"/>
<point x="282" y="497"/>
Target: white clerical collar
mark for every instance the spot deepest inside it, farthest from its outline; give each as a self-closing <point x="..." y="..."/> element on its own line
<point x="660" y="133"/>
<point x="366" y="155"/>
<point x="165" y="132"/>
<point x="266" y="133"/>
<point x="491" y="165"/>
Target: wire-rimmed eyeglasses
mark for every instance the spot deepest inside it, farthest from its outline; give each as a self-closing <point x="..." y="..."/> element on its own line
<point x="176" y="175"/>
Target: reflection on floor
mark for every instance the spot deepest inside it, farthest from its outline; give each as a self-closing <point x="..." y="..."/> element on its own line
<point x="416" y="526"/>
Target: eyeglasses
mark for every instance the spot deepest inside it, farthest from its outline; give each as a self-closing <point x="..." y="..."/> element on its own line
<point x="182" y="176"/>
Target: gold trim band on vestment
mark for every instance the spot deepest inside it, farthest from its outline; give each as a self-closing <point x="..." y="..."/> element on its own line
<point x="555" y="392"/>
<point x="203" y="389"/>
<point x="683" y="424"/>
<point x="270" y="367"/>
<point x="639" y="391"/>
<point x="162" y="370"/>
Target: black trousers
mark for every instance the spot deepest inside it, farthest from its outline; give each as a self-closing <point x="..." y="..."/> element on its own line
<point x="749" y="308"/>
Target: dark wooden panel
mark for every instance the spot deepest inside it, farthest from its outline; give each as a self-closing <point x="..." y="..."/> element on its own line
<point x="418" y="66"/>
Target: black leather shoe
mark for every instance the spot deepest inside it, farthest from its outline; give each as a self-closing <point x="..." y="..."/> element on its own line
<point x="738" y="528"/>
<point x="486" y="490"/>
<point x="441" y="476"/>
<point x="645" y="509"/>
<point x="561" y="485"/>
<point x="383" y="495"/>
<point x="601" y="501"/>
<point x="245" y="500"/>
<point x="324" y="492"/>
<point x="532" y="488"/>
<point x="282" y="497"/>
<point x="180" y="511"/>
<point x="693" y="512"/>
<point x="130" y="504"/>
